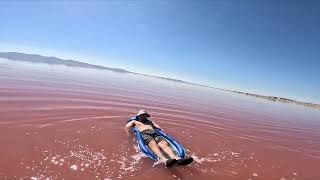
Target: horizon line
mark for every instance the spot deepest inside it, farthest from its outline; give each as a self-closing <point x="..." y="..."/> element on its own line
<point x="121" y="70"/>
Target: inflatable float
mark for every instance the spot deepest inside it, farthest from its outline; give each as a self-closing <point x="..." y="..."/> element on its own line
<point x="175" y="146"/>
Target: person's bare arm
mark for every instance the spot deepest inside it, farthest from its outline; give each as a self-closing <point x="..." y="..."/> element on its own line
<point x="156" y="125"/>
<point x="129" y="125"/>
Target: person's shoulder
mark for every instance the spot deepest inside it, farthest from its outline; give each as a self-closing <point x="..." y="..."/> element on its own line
<point x="134" y="118"/>
<point x="149" y="119"/>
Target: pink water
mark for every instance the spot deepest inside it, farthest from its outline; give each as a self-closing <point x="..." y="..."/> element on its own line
<point x="60" y="122"/>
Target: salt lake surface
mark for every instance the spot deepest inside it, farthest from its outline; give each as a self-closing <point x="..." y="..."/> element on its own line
<point x="59" y="122"/>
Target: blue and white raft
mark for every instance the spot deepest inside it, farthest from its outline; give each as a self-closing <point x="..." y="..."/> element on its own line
<point x="176" y="147"/>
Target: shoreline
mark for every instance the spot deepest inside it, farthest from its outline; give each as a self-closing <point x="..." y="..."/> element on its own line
<point x="277" y="99"/>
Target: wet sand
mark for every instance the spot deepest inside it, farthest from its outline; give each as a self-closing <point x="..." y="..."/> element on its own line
<point x="62" y="122"/>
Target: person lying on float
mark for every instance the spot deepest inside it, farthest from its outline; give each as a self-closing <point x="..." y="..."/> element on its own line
<point x="154" y="140"/>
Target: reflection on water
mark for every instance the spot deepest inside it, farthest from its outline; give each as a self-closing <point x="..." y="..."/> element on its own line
<point x="62" y="122"/>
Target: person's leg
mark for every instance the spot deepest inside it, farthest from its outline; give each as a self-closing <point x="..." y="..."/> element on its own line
<point x="163" y="144"/>
<point x="155" y="148"/>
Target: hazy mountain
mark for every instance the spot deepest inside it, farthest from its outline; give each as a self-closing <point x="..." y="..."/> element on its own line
<point x="34" y="58"/>
<point x="15" y="56"/>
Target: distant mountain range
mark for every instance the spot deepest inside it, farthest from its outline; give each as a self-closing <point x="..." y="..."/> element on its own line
<point x="34" y="58"/>
<point x="16" y="56"/>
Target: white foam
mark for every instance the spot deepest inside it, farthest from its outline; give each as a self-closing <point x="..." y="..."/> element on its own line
<point x="137" y="157"/>
<point x="156" y="163"/>
<point x="205" y="159"/>
<point x="235" y="154"/>
<point x="198" y="159"/>
<point x="74" y="167"/>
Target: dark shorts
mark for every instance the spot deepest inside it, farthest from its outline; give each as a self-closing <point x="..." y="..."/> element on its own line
<point x="149" y="135"/>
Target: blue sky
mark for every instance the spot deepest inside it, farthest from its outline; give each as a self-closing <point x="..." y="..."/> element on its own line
<point x="265" y="47"/>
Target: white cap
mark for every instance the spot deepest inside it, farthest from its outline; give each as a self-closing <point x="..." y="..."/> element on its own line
<point x="143" y="112"/>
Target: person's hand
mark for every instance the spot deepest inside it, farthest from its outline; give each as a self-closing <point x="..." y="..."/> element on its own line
<point x="127" y="131"/>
